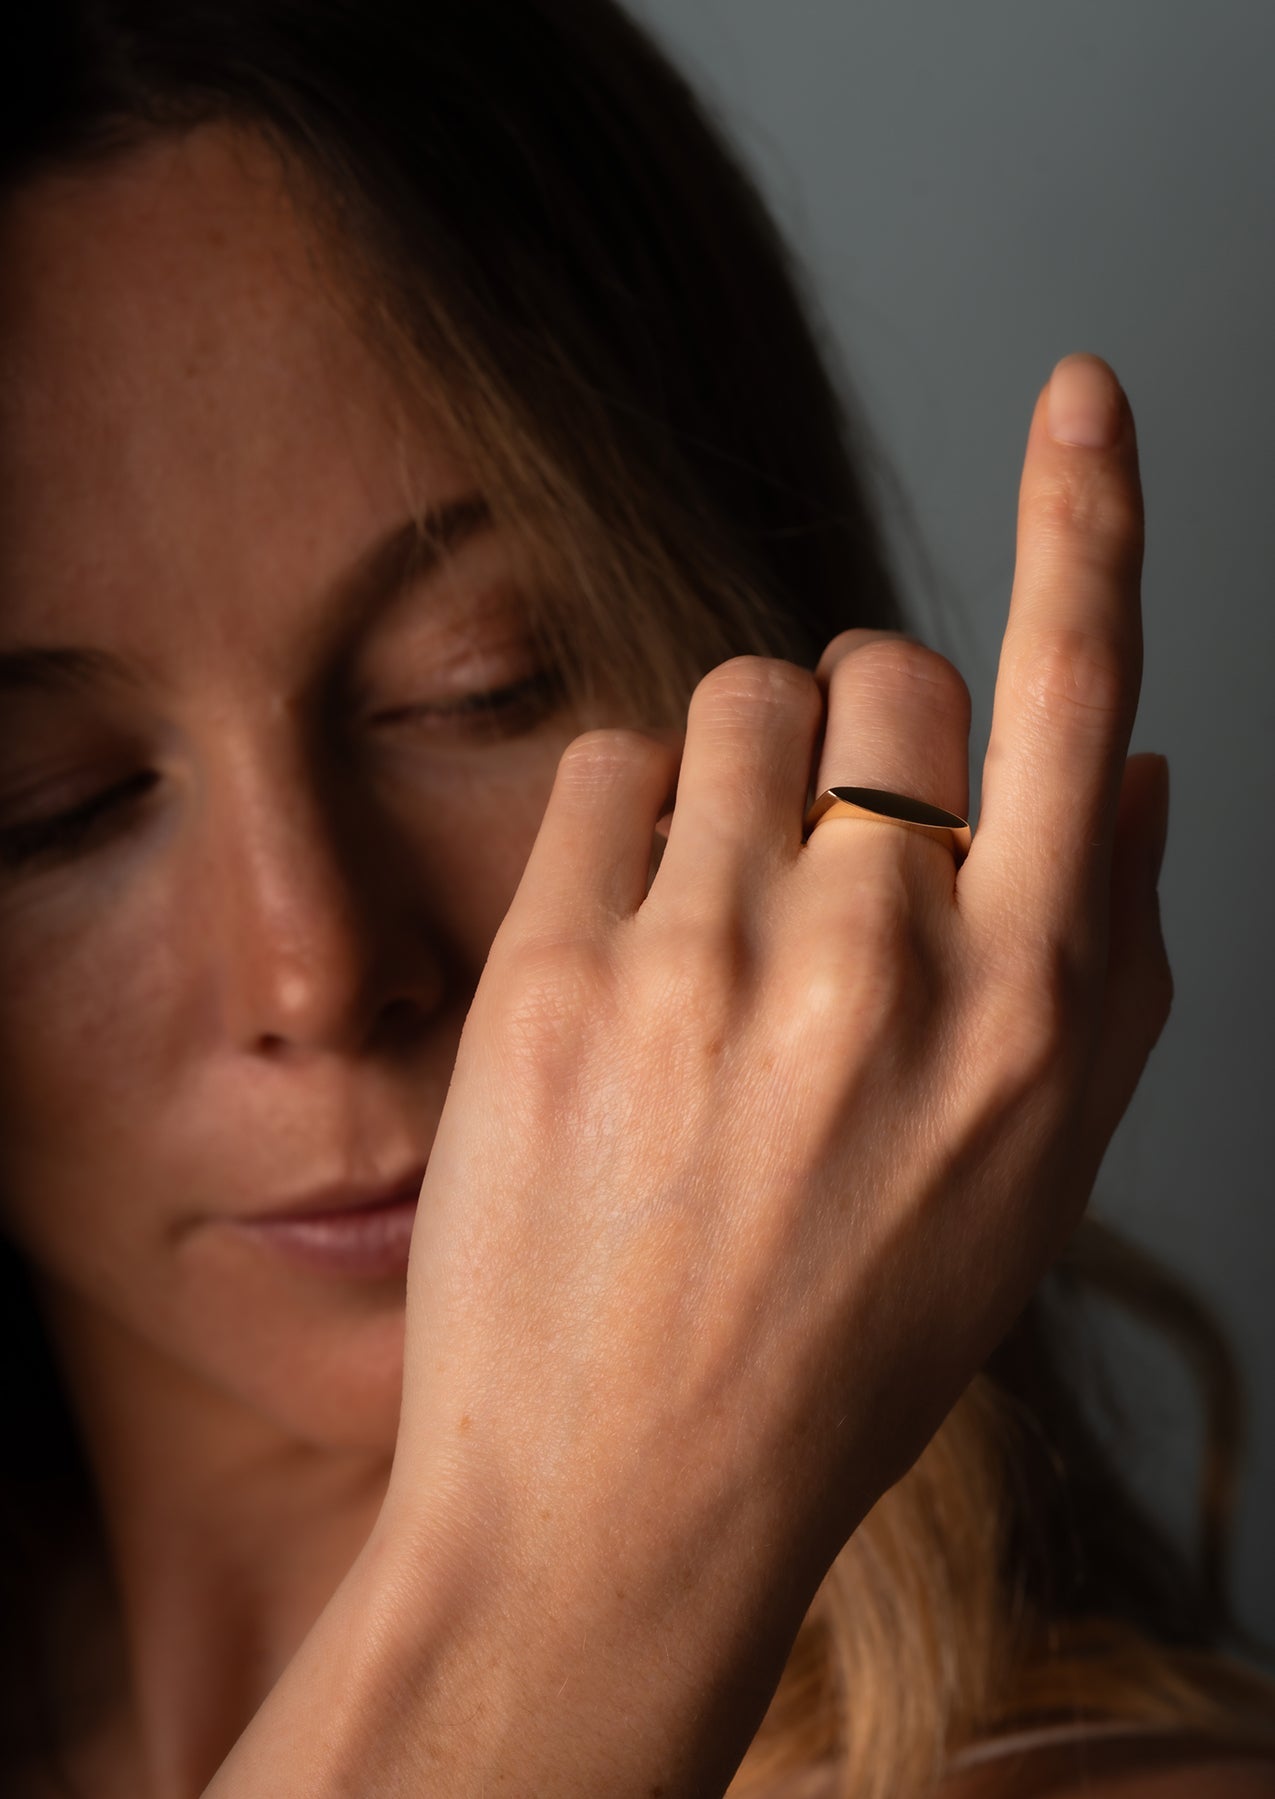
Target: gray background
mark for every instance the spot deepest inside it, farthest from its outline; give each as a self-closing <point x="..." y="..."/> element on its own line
<point x="975" y="190"/>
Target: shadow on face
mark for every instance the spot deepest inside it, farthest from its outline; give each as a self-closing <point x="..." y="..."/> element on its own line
<point x="258" y="824"/>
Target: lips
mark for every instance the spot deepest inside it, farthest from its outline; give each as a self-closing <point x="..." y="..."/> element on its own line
<point x="343" y="1196"/>
<point x="354" y="1232"/>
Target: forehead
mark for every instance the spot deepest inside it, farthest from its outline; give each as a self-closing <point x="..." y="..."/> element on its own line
<point x="186" y="409"/>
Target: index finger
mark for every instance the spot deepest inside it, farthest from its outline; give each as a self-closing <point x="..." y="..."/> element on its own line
<point x="1069" y="675"/>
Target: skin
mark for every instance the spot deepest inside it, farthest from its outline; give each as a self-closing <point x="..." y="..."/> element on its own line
<point x="256" y="985"/>
<point x="256" y="981"/>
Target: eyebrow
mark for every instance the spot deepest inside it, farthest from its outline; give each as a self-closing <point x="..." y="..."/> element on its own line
<point x="60" y="668"/>
<point x="408" y="553"/>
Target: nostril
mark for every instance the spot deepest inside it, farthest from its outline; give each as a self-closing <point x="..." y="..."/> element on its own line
<point x="402" y="1020"/>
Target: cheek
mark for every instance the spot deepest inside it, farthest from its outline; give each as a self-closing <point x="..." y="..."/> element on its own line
<point x="107" y="1020"/>
<point x="93" y="1156"/>
<point x="475" y="832"/>
<point x="81" y="1045"/>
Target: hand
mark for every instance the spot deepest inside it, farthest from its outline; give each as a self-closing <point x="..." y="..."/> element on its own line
<point x="740" y="1179"/>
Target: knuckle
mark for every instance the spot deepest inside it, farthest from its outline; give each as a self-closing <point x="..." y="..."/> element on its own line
<point x="550" y="984"/>
<point x="595" y="757"/>
<point x="902" y="665"/>
<point x="1079" y="674"/>
<point x="847" y="642"/>
<point x="550" y="970"/>
<point x="1078" y="502"/>
<point x="744" y="684"/>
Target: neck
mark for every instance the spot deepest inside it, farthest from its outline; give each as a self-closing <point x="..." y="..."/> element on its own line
<point x="226" y="1538"/>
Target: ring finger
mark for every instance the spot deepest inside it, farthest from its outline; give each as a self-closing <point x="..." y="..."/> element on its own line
<point x="898" y="718"/>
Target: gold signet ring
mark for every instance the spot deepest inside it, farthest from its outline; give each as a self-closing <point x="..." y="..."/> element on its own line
<point x="891" y="808"/>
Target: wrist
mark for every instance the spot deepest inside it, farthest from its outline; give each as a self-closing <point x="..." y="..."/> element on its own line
<point x="587" y="1647"/>
<point x="484" y="1648"/>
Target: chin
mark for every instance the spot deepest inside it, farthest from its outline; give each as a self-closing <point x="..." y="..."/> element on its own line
<point x="334" y="1383"/>
<point x="312" y="1357"/>
<point x="213" y="1359"/>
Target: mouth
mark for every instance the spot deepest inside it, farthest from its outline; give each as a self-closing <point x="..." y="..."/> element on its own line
<point x="360" y="1233"/>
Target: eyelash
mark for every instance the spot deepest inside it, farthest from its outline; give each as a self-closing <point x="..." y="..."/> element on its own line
<point x="530" y="698"/>
<point x="499" y="712"/>
<point x="68" y="832"/>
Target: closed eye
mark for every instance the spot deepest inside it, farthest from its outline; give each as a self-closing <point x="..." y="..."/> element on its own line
<point x="69" y="833"/>
<point x="499" y="711"/>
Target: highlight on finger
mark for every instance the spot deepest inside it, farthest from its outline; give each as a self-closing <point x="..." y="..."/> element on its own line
<point x="1069" y="675"/>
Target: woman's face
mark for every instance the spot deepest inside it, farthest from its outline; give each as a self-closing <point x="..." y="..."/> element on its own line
<point x="245" y="977"/>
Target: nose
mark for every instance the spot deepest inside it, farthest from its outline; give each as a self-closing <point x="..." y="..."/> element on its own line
<point x="311" y="912"/>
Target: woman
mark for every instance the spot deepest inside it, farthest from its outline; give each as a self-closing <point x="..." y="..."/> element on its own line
<point x="417" y="475"/>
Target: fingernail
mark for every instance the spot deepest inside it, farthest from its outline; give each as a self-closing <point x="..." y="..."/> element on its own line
<point x="1085" y="403"/>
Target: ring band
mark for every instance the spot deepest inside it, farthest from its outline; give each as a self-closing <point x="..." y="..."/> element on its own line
<point x="891" y="808"/>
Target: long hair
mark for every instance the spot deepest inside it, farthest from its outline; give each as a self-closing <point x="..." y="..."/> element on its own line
<point x="531" y="216"/>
